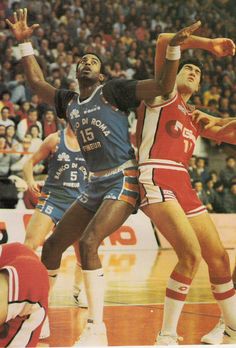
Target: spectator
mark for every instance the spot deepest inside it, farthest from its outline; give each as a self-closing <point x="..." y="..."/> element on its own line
<point x="198" y="187"/>
<point x="23" y="125"/>
<point x="201" y="169"/>
<point x="49" y="123"/>
<point x="230" y="199"/>
<point x="192" y="169"/>
<point x="5" y="101"/>
<point x="36" y="141"/>
<point x="229" y="171"/>
<point x="24" y="110"/>
<point x="213" y="198"/>
<point x="212" y="93"/>
<point x="17" y="88"/>
<point x="4" y="119"/>
<point x="10" y="136"/>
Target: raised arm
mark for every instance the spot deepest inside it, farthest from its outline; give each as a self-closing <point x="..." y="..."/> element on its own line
<point x="220" y="47"/>
<point x="47" y="147"/>
<point x="164" y="84"/>
<point x="215" y="128"/>
<point x="33" y="72"/>
<point x="208" y="121"/>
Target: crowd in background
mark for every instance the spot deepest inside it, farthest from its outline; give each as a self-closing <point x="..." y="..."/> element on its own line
<point x="123" y="33"/>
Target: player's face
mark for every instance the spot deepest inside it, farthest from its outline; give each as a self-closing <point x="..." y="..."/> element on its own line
<point x="188" y="78"/>
<point x="89" y="68"/>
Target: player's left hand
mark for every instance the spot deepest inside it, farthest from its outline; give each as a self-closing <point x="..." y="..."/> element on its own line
<point x="222" y="47"/>
<point x="182" y="35"/>
<point x="208" y="121"/>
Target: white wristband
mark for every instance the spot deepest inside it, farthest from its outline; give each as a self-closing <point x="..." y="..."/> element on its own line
<point x="173" y="52"/>
<point x="26" y="49"/>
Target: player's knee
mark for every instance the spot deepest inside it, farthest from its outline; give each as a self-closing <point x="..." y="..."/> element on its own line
<point x="88" y="245"/>
<point x="219" y="260"/>
<point x="191" y="259"/>
<point x="51" y="254"/>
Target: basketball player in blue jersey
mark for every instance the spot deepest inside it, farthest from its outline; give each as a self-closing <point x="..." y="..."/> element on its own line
<point x="98" y="115"/>
<point x="67" y="178"/>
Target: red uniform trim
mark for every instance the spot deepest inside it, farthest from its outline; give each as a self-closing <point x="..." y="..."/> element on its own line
<point x="224" y="295"/>
<point x="181" y="278"/>
<point x="175" y="295"/>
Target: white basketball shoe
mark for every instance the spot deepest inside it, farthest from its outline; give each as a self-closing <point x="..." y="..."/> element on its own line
<point x="80" y="297"/>
<point x="167" y="340"/>
<point x="215" y="336"/>
<point x="93" y="335"/>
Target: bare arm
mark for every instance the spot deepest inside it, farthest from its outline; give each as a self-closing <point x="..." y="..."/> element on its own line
<point x="215" y="133"/>
<point x="46" y="148"/>
<point x="164" y="83"/>
<point x="209" y="121"/>
<point x="33" y="72"/>
<point x="220" y="47"/>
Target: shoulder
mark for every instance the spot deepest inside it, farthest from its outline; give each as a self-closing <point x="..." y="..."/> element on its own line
<point x="161" y="101"/>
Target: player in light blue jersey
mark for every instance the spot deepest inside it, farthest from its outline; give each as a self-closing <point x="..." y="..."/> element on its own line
<point x="67" y="178"/>
<point x="98" y="115"/>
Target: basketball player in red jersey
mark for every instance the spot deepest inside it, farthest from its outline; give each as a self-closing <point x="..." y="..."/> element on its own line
<point x="24" y="290"/>
<point x="228" y="126"/>
<point x="167" y="138"/>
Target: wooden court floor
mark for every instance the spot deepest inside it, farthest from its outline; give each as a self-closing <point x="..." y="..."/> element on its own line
<point x="135" y="290"/>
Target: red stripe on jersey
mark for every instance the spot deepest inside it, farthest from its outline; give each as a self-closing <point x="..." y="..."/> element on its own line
<point x="181" y="278"/>
<point x="224" y="295"/>
<point x="175" y="295"/>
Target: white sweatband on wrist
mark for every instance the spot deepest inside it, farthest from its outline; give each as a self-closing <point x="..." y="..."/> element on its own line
<point x="173" y="52"/>
<point x="26" y="49"/>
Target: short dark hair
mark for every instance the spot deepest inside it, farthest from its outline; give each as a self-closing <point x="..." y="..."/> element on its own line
<point x="102" y="70"/>
<point x="193" y="61"/>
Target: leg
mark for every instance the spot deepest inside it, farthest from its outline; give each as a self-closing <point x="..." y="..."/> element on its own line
<point x="68" y="230"/>
<point x="109" y="217"/>
<point x="173" y="224"/>
<point x="38" y="228"/>
<point x="217" y="260"/>
<point x="78" y="288"/>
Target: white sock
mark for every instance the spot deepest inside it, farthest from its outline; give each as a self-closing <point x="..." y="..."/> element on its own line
<point x="52" y="276"/>
<point x="95" y="288"/>
<point x="176" y="292"/>
<point x="78" y="278"/>
<point x="224" y="292"/>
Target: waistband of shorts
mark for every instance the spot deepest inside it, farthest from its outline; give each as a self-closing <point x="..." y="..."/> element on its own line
<point x="163" y="164"/>
<point x="115" y="170"/>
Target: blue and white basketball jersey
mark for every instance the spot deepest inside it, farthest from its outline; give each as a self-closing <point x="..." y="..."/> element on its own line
<point x="67" y="171"/>
<point x="102" y="131"/>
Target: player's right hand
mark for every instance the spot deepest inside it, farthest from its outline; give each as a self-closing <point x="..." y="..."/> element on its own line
<point x="19" y="27"/>
<point x="182" y="35"/>
<point x="34" y="187"/>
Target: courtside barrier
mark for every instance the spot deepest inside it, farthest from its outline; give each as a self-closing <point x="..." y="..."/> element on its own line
<point x="136" y="233"/>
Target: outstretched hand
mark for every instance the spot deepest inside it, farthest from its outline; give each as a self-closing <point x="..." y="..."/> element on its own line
<point x="19" y="26"/>
<point x="182" y="35"/>
<point x="222" y="47"/>
<point x="208" y="121"/>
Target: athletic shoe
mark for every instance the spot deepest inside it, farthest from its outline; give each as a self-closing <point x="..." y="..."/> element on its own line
<point x="215" y="336"/>
<point x="167" y="340"/>
<point x="93" y="335"/>
<point x="80" y="298"/>
<point x="229" y="336"/>
<point x="45" y="331"/>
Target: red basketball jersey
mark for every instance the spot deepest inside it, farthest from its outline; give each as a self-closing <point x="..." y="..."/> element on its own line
<point x="166" y="131"/>
<point x="27" y="298"/>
